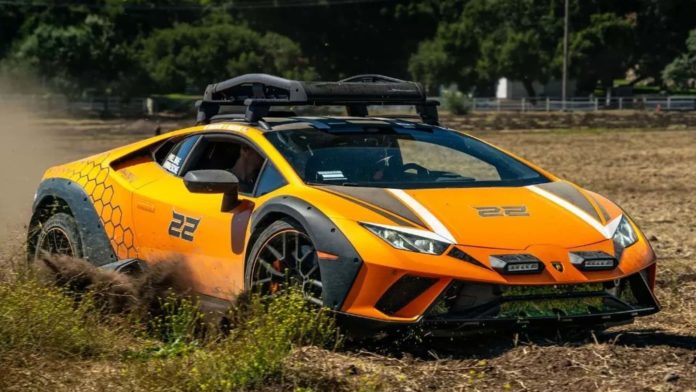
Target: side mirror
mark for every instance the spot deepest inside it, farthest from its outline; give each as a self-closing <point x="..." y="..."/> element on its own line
<point x="214" y="181"/>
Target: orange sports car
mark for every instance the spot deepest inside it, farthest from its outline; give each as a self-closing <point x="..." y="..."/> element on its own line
<point x="392" y="222"/>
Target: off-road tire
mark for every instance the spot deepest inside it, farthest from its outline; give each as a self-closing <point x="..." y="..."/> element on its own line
<point x="59" y="235"/>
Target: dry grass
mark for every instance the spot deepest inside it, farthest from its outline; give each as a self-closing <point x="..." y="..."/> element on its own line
<point x="625" y="119"/>
<point x="70" y="326"/>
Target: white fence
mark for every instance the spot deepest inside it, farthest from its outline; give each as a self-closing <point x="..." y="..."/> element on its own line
<point x="667" y="103"/>
<point x="115" y="106"/>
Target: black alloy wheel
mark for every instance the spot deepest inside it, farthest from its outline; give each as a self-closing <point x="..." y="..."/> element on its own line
<point x="284" y="256"/>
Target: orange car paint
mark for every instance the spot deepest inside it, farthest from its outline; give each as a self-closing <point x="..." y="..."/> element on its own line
<point x="136" y="199"/>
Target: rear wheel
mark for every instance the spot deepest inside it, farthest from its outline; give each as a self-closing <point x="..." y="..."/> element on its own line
<point x="284" y="256"/>
<point x="59" y="236"/>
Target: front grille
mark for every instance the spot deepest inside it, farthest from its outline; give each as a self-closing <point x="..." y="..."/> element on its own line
<point x="402" y="292"/>
<point x="477" y="301"/>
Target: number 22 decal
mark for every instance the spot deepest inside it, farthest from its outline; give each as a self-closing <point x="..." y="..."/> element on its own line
<point x="183" y="226"/>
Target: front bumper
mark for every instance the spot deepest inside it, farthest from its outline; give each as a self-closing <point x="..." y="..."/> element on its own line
<point x="464" y="306"/>
<point x="384" y="268"/>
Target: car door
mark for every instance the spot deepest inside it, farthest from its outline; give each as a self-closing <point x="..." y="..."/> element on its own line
<point x="192" y="230"/>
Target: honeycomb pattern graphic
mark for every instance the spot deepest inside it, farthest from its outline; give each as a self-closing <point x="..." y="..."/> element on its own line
<point x="93" y="174"/>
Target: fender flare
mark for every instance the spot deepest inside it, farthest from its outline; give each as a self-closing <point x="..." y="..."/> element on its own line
<point x="96" y="247"/>
<point x="337" y="275"/>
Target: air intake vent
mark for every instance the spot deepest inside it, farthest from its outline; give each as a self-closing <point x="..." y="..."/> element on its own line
<point x="402" y="292"/>
<point x="461" y="255"/>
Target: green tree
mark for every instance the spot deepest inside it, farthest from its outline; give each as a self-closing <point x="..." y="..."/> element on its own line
<point x="448" y="58"/>
<point x="188" y="57"/>
<point x="129" y="18"/>
<point x="78" y="46"/>
<point x="682" y="70"/>
<point x="662" y="26"/>
<point x="11" y="19"/>
<point x="436" y="10"/>
<point x="521" y="41"/>
<point x="478" y="41"/>
<point x="489" y="40"/>
<point x="342" y="40"/>
<point x="603" y="51"/>
<point x="74" y="57"/>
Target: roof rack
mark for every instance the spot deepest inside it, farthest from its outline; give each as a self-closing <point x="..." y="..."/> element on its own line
<point x="259" y="92"/>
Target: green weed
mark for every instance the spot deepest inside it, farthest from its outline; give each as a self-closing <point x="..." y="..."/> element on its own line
<point x="253" y="352"/>
<point x="39" y="318"/>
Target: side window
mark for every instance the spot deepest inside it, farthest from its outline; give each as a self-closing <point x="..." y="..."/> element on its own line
<point x="269" y="180"/>
<point x="177" y="156"/>
<point x="224" y="153"/>
<point x="162" y="151"/>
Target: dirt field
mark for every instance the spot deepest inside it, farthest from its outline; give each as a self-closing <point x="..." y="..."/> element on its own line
<point x="574" y="120"/>
<point x="650" y="173"/>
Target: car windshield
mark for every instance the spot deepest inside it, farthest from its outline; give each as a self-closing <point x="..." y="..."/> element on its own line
<point x="399" y="157"/>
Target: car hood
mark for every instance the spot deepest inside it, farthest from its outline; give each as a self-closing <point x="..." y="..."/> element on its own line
<point x="554" y="213"/>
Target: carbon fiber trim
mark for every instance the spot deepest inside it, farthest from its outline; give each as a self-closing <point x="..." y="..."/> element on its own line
<point x="394" y="218"/>
<point x="602" y="210"/>
<point x="570" y="194"/>
<point x="378" y="197"/>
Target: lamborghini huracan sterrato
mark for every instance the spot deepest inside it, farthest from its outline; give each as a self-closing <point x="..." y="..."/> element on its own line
<point x="389" y="221"/>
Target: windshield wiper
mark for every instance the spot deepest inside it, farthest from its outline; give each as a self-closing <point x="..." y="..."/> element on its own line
<point x="454" y="179"/>
<point x="356" y="184"/>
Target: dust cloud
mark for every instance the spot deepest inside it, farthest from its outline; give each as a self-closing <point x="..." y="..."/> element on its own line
<point x="32" y="141"/>
<point x="115" y="292"/>
<point x="26" y="150"/>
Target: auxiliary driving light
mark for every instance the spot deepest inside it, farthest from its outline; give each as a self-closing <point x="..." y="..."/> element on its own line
<point x="516" y="264"/>
<point x="593" y="261"/>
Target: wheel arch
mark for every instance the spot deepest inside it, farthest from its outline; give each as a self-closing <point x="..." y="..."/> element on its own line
<point x="337" y="275"/>
<point x="61" y="195"/>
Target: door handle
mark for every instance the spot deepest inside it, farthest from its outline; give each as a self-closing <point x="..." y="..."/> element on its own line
<point x="145" y="206"/>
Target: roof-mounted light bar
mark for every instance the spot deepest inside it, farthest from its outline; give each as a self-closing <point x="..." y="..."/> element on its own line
<point x="259" y="92"/>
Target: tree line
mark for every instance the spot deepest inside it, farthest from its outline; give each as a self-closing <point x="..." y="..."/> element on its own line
<point x="135" y="47"/>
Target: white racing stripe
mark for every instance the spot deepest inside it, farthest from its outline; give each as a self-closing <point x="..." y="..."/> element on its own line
<point x="434" y="224"/>
<point x="607" y="231"/>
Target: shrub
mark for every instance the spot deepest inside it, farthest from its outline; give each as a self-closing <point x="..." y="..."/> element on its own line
<point x="455" y="101"/>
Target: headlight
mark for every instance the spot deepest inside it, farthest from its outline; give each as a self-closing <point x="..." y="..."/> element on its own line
<point x="405" y="238"/>
<point x="624" y="236"/>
